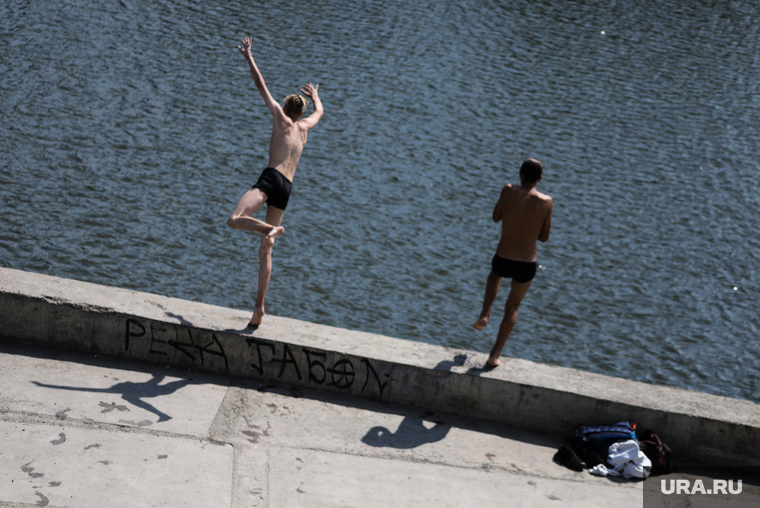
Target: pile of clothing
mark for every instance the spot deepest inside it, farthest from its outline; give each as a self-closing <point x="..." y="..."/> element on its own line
<point x="614" y="450"/>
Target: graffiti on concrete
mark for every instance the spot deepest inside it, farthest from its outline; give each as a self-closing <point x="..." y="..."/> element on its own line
<point x="339" y="374"/>
<point x="183" y="341"/>
<point x="267" y="358"/>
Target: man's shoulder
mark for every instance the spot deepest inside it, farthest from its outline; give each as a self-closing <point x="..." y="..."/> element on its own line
<point x="303" y="124"/>
<point x="547" y="200"/>
<point x="282" y="122"/>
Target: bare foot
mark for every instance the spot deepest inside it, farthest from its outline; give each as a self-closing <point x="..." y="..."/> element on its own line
<point x="269" y="239"/>
<point x="256" y="319"/>
<point x="493" y="363"/>
<point x="480" y="323"/>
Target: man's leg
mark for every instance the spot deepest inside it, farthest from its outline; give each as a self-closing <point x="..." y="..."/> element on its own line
<point x="250" y="203"/>
<point x="274" y="217"/>
<point x="492" y="288"/>
<point x="516" y="294"/>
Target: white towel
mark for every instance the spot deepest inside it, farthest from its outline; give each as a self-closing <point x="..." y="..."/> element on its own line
<point x="628" y="460"/>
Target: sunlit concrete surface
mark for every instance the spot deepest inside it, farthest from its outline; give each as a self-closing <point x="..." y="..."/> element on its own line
<point x="255" y="444"/>
<point x="70" y="315"/>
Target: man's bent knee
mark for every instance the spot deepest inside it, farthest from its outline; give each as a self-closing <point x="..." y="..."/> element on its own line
<point x="232" y="221"/>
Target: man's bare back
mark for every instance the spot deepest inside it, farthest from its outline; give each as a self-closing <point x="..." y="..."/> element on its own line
<point x="289" y="137"/>
<point x="525" y="216"/>
<point x="289" y="132"/>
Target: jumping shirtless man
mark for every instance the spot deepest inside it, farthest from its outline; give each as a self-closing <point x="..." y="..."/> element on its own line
<point x="526" y="216"/>
<point x="275" y="183"/>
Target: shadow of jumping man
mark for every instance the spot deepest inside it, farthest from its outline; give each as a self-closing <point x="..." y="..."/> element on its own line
<point x="411" y="433"/>
<point x="458" y="361"/>
<point x="133" y="393"/>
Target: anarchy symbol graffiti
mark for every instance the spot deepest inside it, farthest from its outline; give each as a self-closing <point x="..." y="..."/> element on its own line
<point x="342" y="374"/>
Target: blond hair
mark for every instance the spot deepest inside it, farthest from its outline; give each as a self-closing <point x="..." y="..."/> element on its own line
<point x="295" y="103"/>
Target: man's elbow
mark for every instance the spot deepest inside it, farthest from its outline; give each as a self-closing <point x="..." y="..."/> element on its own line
<point x="544" y="238"/>
<point x="317" y="116"/>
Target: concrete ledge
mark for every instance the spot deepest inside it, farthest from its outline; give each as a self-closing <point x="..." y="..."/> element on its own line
<point x="61" y="313"/>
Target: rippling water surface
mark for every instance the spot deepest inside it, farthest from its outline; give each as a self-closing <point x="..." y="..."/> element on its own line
<point x="131" y="128"/>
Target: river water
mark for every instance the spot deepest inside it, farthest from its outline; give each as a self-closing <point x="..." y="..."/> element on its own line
<point x="131" y="128"/>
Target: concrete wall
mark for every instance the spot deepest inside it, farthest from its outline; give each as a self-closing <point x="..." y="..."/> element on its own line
<point x="60" y="313"/>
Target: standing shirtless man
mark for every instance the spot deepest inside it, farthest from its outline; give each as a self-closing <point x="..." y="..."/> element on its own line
<point x="275" y="183"/>
<point x="526" y="216"/>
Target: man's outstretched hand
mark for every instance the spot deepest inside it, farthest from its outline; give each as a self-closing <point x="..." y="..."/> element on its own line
<point x="245" y="49"/>
<point x="310" y="90"/>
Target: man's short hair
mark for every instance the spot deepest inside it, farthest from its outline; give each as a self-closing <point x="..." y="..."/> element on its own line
<point x="295" y="104"/>
<point x="531" y="169"/>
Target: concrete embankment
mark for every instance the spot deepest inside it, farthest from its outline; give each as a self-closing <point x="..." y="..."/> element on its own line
<point x="53" y="312"/>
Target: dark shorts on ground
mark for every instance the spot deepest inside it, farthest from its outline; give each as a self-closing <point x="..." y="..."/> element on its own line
<point x="520" y="271"/>
<point x="275" y="186"/>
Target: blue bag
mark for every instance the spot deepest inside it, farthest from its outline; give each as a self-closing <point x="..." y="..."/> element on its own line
<point x="599" y="437"/>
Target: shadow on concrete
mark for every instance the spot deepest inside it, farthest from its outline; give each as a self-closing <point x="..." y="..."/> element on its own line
<point x="249" y="329"/>
<point x="410" y="434"/>
<point x="458" y="361"/>
<point x="182" y="320"/>
<point x="138" y="391"/>
<point x="132" y="392"/>
<point x="477" y="371"/>
<point x="413" y="428"/>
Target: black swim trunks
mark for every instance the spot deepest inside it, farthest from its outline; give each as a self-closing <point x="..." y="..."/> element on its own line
<point x="275" y="186"/>
<point x="520" y="271"/>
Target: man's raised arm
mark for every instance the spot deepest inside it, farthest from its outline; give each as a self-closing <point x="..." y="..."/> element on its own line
<point x="311" y="91"/>
<point x="258" y="79"/>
